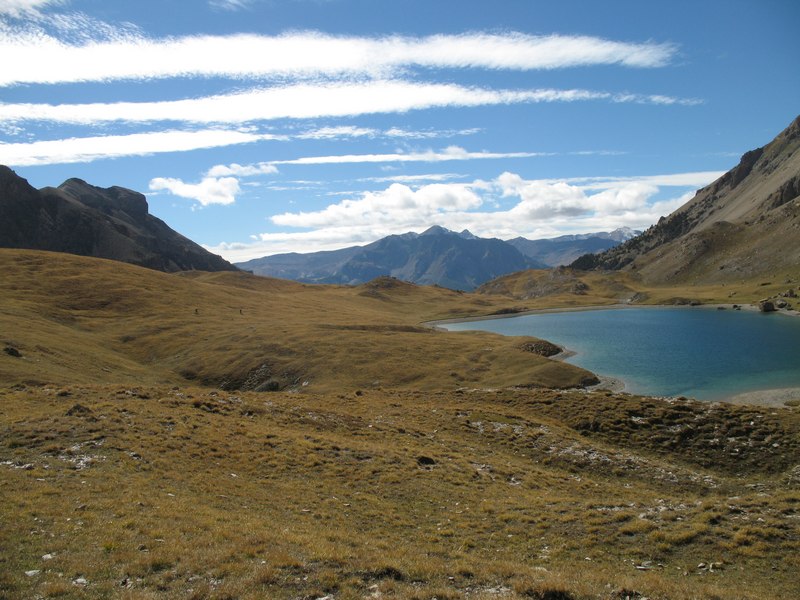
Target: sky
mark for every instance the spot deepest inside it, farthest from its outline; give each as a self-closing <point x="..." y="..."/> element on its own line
<point x="257" y="127"/>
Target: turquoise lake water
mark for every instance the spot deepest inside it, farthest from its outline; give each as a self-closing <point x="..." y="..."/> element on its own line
<point x="697" y="352"/>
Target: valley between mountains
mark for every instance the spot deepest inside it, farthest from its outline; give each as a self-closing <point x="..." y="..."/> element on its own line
<point x="177" y="433"/>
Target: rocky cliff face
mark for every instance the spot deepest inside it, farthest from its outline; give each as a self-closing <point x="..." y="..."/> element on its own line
<point x="111" y="223"/>
<point x="745" y="224"/>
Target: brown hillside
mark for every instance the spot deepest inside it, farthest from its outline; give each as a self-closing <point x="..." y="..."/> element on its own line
<point x="81" y="320"/>
<point x="395" y="461"/>
<point x="744" y="225"/>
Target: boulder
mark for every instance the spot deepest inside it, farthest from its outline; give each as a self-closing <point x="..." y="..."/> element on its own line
<point x="541" y="347"/>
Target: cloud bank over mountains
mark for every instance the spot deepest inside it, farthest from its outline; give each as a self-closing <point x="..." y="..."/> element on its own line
<point x="506" y="207"/>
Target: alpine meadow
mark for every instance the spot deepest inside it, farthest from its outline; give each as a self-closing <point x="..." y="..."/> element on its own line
<point x="233" y="234"/>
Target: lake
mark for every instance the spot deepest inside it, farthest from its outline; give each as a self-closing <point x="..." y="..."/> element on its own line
<point x="697" y="352"/>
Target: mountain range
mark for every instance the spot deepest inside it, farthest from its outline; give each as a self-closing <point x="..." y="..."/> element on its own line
<point x="112" y="223"/>
<point x="745" y="224"/>
<point x="437" y="256"/>
<point x="562" y="250"/>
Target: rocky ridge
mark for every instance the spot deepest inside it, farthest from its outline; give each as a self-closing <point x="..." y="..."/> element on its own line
<point x="79" y="218"/>
<point x="744" y="224"/>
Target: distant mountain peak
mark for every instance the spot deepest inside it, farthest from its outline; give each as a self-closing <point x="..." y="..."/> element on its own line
<point x="623" y="234"/>
<point x="437" y="230"/>
<point x="436" y="256"/>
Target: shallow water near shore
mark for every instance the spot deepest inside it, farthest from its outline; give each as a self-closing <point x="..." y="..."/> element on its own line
<point x="666" y="351"/>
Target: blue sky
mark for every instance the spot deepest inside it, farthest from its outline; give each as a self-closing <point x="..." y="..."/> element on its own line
<point x="263" y="126"/>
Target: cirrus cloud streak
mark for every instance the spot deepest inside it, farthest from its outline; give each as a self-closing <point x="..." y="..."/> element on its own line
<point x="88" y="149"/>
<point x="43" y="59"/>
<point x="306" y="101"/>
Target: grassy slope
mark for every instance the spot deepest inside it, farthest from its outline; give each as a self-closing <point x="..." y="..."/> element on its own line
<point x="568" y="288"/>
<point x="91" y="321"/>
<point x="395" y="473"/>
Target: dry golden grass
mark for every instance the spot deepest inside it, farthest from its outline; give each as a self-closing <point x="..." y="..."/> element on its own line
<point x="411" y="465"/>
<point x="78" y="320"/>
<point x="192" y="492"/>
<point x="564" y="287"/>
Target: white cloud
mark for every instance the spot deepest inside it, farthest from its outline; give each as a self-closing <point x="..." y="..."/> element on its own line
<point x="299" y="101"/>
<point x="210" y="190"/>
<point x="447" y="154"/>
<point x="340" y="131"/>
<point x="654" y="99"/>
<point x="307" y="241"/>
<point x="398" y="205"/>
<point x="87" y="149"/>
<point x="696" y="179"/>
<point x="542" y="200"/>
<point x="415" y="178"/>
<point x="242" y="170"/>
<point x="41" y="58"/>
<point x="540" y="209"/>
<point x="397" y="132"/>
<point x="230" y="5"/>
<point x="548" y="200"/>
<point x="23" y="8"/>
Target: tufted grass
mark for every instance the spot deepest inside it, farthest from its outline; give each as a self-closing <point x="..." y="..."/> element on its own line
<point x="394" y="462"/>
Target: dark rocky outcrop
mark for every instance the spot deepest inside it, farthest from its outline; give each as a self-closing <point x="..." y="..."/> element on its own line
<point x="542" y="348"/>
<point x="11" y="351"/>
<point x="112" y="223"/>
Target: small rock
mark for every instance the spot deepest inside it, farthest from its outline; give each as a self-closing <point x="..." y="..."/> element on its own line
<point x="425" y="461"/>
<point x="48" y="556"/>
<point x="766" y="306"/>
<point x="78" y="410"/>
<point x="11" y="351"/>
<point x="33" y="572"/>
<point x="80" y="581"/>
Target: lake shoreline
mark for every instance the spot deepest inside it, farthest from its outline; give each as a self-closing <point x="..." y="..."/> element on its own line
<point x="619" y="306"/>
<point x="776" y="398"/>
